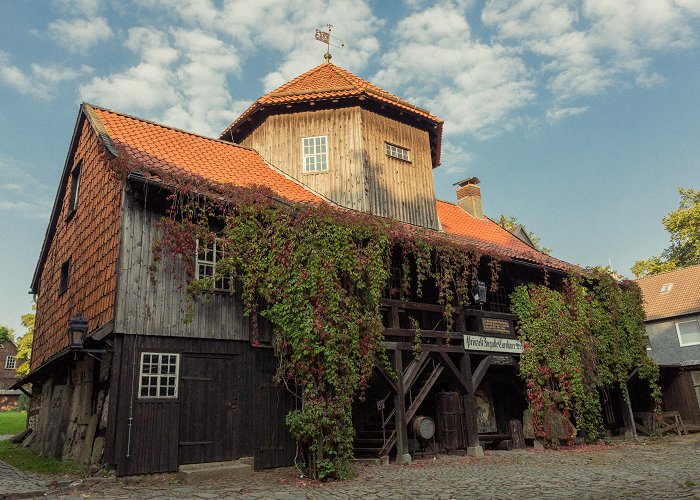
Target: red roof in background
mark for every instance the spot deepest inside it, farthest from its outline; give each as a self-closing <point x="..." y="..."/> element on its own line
<point x="176" y="152"/>
<point x="328" y="81"/>
<point x="489" y="236"/>
<point x="673" y="293"/>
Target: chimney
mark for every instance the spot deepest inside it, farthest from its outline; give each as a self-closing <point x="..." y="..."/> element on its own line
<point x="469" y="197"/>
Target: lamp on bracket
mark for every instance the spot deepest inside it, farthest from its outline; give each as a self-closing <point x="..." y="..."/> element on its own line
<point x="479" y="293"/>
<point x="77" y="331"/>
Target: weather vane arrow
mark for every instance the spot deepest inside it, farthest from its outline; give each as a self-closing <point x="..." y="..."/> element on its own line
<point x="325" y="37"/>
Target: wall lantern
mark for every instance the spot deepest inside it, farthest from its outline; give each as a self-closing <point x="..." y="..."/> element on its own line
<point x="479" y="293"/>
<point x="77" y="331"/>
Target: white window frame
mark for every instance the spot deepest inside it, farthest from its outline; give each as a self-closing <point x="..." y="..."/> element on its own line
<point x="10" y="362"/>
<point x="678" y="332"/>
<point x="314" y="149"/>
<point x="222" y="284"/>
<point x="398" y="152"/>
<point x="155" y="376"/>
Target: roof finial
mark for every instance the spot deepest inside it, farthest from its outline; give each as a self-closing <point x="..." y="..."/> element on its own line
<point x="325" y="37"/>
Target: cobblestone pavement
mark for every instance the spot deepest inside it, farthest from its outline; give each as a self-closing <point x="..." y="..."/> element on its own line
<point x="18" y="484"/>
<point x="665" y="468"/>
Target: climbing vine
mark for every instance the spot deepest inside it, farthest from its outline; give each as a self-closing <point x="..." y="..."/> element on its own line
<point x="317" y="274"/>
<point x="589" y="336"/>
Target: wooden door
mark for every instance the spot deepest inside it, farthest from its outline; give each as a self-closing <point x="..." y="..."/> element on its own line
<point x="210" y="409"/>
<point x="274" y="446"/>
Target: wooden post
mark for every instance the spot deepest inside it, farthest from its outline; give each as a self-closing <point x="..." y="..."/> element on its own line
<point x="627" y="415"/>
<point x="473" y="447"/>
<point x="400" y="413"/>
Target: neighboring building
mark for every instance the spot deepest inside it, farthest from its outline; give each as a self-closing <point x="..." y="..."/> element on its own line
<point x="8" y="375"/>
<point x="168" y="392"/>
<point x="672" y="306"/>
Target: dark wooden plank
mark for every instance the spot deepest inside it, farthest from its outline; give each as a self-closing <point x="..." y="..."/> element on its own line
<point x="469" y="402"/>
<point x="400" y="408"/>
<point x="386" y="376"/>
<point x="414" y="368"/>
<point x="455" y="371"/>
<point x="407" y="346"/>
<point x="481" y="370"/>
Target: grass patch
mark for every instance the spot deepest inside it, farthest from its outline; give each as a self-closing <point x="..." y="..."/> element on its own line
<point x="12" y="422"/>
<point x="28" y="461"/>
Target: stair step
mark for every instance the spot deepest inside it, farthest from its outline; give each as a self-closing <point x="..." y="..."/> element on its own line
<point x="190" y="473"/>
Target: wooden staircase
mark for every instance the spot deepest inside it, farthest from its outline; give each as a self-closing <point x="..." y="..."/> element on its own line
<point x="378" y="439"/>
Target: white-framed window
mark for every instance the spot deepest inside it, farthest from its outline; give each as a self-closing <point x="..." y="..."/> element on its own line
<point x="315" y="153"/>
<point x="666" y="287"/>
<point x="208" y="254"/>
<point x="159" y="375"/>
<point x="397" y="152"/>
<point x="10" y="363"/>
<point x="688" y="332"/>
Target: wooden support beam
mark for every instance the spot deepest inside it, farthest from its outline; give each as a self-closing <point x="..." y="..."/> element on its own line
<point x="382" y="370"/>
<point x="481" y="370"/>
<point x="424" y="391"/>
<point x="413" y="369"/>
<point x="469" y="402"/>
<point x="455" y="371"/>
<point x="407" y="346"/>
<point x="400" y="408"/>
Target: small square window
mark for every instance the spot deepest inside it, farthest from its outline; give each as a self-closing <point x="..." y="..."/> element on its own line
<point x="397" y="152"/>
<point x="10" y="363"/>
<point x="65" y="276"/>
<point x="315" y="153"/>
<point x="688" y="332"/>
<point x="666" y="287"/>
<point x="74" y="190"/>
<point x="208" y="254"/>
<point x="159" y="375"/>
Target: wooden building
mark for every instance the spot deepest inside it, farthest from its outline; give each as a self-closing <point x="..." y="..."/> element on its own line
<point x="672" y="306"/>
<point x="8" y="375"/>
<point x="147" y="391"/>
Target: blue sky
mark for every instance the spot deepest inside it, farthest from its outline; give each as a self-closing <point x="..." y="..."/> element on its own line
<point x="580" y="117"/>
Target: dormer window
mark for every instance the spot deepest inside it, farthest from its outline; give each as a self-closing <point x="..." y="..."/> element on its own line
<point x="666" y="287"/>
<point x="74" y="190"/>
<point x="397" y="152"/>
<point x="315" y="153"/>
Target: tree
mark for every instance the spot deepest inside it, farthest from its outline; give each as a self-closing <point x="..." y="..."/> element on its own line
<point x="684" y="226"/>
<point x="24" y="345"/>
<point x="510" y="223"/>
<point x="6" y="333"/>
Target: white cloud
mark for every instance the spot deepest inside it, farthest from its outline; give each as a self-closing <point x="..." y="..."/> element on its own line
<point x="40" y="81"/>
<point x="437" y="62"/>
<point x="455" y="159"/>
<point x="79" y="35"/>
<point x="23" y="195"/>
<point x="86" y="8"/>
<point x="557" y="114"/>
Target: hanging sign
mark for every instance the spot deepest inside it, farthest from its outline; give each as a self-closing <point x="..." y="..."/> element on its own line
<point x="492" y="344"/>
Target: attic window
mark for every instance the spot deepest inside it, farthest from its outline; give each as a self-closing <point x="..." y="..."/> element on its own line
<point x="74" y="190"/>
<point x="208" y="254"/>
<point x="315" y="153"/>
<point x="666" y="287"/>
<point x="397" y="152"/>
<point x="10" y="363"/>
<point x="65" y="276"/>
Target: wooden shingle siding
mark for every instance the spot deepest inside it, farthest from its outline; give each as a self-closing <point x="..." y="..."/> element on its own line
<point x="90" y="238"/>
<point x="157" y="303"/>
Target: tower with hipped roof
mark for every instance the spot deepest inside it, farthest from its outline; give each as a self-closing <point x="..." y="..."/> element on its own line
<point x="350" y="141"/>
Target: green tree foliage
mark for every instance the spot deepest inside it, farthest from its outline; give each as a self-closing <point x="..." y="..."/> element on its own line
<point x="510" y="223"/>
<point x="6" y="333"/>
<point x="589" y="336"/>
<point x="24" y="344"/>
<point x="684" y="226"/>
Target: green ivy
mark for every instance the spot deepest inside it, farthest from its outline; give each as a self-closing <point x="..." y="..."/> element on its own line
<point x="586" y="337"/>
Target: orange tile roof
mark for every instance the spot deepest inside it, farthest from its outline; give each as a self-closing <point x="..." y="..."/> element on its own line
<point x="682" y="298"/>
<point x="179" y="153"/>
<point x="328" y="81"/>
<point x="489" y="237"/>
<point x="176" y="152"/>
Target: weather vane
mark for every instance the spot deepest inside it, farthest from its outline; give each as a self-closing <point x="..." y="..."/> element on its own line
<point x="325" y="37"/>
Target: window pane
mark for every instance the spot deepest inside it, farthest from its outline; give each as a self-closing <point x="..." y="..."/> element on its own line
<point x="689" y="332"/>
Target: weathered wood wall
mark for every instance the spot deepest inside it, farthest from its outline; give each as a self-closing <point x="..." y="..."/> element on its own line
<point x="679" y="394"/>
<point x="400" y="189"/>
<point x="278" y="140"/>
<point x="160" y="426"/>
<point x="157" y="304"/>
<point x="360" y="175"/>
